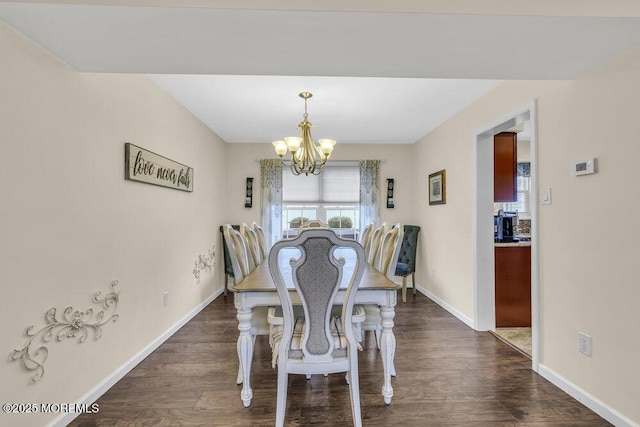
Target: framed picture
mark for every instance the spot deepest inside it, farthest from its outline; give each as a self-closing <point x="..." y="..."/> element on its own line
<point x="438" y="188"/>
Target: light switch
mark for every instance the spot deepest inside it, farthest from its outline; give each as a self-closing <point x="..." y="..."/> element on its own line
<point x="545" y="196"/>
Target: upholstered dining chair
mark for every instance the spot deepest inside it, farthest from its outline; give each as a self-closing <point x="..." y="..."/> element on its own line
<point x="376" y="237"/>
<point x="407" y="258"/>
<point x="316" y="342"/>
<point x="237" y="247"/>
<point x="262" y="240"/>
<point x="240" y="265"/>
<point x="228" y="268"/>
<point x="253" y="245"/>
<point x="385" y="263"/>
<point x="365" y="239"/>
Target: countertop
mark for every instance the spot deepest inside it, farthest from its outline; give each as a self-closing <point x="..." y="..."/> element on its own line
<point x="512" y="244"/>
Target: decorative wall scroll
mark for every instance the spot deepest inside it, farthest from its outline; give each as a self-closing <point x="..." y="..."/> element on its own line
<point x="71" y="324"/>
<point x="151" y="168"/>
<point x="205" y="262"/>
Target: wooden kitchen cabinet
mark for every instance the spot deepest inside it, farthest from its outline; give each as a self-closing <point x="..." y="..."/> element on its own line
<point x="513" y="285"/>
<point x="505" y="146"/>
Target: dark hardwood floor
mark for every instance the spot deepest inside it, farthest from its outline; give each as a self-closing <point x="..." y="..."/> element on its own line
<point x="447" y="375"/>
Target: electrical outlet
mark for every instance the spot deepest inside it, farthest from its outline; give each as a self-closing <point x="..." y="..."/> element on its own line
<point x="584" y="343"/>
<point x="165" y="299"/>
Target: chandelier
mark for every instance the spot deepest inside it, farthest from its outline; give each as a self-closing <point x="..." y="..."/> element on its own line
<point x="306" y="157"/>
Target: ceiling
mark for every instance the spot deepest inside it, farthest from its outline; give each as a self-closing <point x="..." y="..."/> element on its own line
<point x="380" y="72"/>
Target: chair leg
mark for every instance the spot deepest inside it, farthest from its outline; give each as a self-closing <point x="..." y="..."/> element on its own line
<point x="413" y="280"/>
<point x="354" y="392"/>
<point x="282" y="396"/>
<point x="226" y="284"/>
<point x="404" y="288"/>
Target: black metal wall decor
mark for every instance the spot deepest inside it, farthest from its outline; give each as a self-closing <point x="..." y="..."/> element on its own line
<point x="248" y="197"/>
<point x="390" y="184"/>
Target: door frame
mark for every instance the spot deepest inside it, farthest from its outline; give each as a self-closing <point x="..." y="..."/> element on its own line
<point x="483" y="244"/>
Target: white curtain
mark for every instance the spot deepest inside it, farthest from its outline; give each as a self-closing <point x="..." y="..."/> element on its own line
<point x="271" y="210"/>
<point x="369" y="189"/>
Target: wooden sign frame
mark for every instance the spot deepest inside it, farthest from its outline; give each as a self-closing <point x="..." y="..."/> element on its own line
<point x="150" y="168"/>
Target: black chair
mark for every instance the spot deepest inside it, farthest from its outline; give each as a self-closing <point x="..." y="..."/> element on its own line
<point x="228" y="269"/>
<point x="407" y="259"/>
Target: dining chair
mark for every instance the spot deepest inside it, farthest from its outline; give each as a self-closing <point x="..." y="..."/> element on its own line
<point x="365" y="240"/>
<point x="376" y="236"/>
<point x="316" y="342"/>
<point x="407" y="258"/>
<point x="262" y="240"/>
<point x="239" y="264"/>
<point x="228" y="268"/>
<point x="253" y="246"/>
<point x="385" y="263"/>
<point x="237" y="245"/>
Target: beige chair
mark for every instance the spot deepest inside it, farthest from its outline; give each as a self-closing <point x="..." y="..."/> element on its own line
<point x="385" y="263"/>
<point x="262" y="240"/>
<point x="237" y="248"/>
<point x="316" y="342"/>
<point x="240" y="265"/>
<point x="253" y="245"/>
<point x="365" y="239"/>
<point x="376" y="237"/>
<point x="387" y="256"/>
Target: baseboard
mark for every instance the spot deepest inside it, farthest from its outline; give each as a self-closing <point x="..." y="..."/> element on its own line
<point x="464" y="318"/>
<point x="600" y="408"/>
<point x="597" y="406"/>
<point x="118" y="374"/>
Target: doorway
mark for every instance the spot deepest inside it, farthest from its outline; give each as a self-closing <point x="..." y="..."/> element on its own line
<point x="484" y="274"/>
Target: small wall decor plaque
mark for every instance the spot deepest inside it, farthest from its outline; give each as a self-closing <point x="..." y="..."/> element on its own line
<point x="151" y="168"/>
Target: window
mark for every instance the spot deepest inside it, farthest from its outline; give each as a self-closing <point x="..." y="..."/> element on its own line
<point x="332" y="197"/>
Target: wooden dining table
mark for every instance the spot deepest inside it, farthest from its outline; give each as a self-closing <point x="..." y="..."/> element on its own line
<point x="257" y="289"/>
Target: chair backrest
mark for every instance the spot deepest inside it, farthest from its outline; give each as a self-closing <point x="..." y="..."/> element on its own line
<point x="314" y="223"/>
<point x="251" y="239"/>
<point x="390" y="245"/>
<point x="317" y="276"/>
<point x="376" y="237"/>
<point x="238" y="254"/>
<point x="407" y="253"/>
<point x="262" y="240"/>
<point x="228" y="268"/>
<point x="365" y="240"/>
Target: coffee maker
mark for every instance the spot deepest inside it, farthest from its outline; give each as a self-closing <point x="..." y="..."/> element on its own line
<point x="503" y="224"/>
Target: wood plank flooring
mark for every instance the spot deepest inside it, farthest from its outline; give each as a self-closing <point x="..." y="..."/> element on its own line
<point x="448" y="375"/>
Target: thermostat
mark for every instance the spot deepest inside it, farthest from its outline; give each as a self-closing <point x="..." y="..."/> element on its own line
<point x="584" y="167"/>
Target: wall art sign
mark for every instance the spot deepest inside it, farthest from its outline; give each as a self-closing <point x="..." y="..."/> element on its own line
<point x="151" y="168"/>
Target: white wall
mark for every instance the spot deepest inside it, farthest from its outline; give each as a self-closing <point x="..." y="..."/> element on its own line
<point x="70" y="223"/>
<point x="588" y="274"/>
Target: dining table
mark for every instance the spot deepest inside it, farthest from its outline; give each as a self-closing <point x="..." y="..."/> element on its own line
<point x="257" y="289"/>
